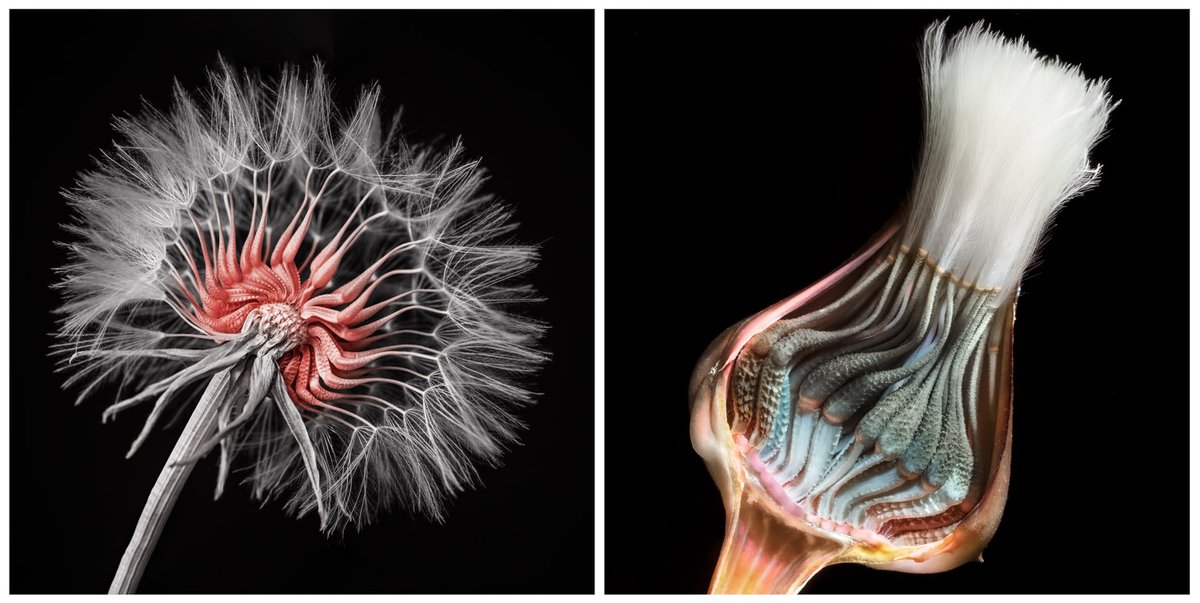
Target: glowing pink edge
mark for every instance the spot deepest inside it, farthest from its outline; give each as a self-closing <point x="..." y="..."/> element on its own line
<point x="760" y="322"/>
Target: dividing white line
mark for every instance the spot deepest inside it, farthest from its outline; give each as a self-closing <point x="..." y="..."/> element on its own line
<point x="598" y="265"/>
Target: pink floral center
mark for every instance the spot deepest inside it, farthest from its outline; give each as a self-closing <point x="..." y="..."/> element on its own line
<point x="325" y="333"/>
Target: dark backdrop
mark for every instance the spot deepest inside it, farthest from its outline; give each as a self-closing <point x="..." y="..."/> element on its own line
<point x="749" y="153"/>
<point x="518" y="87"/>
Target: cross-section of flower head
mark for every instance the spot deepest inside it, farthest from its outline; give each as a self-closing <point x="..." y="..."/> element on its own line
<point x="867" y="418"/>
<point x="340" y="309"/>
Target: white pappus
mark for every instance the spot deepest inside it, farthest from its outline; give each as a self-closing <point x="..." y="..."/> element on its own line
<point x="1008" y="133"/>
<point x="341" y="309"/>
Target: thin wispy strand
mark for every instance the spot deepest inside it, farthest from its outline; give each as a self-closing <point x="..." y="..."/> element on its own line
<point x="349" y="305"/>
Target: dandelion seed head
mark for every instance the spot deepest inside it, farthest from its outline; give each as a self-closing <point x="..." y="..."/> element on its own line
<point x="258" y="236"/>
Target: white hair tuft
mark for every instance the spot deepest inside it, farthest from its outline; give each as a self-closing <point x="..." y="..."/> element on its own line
<point x="1007" y="138"/>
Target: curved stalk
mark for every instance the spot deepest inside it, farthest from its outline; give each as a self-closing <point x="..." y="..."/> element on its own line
<point x="200" y="427"/>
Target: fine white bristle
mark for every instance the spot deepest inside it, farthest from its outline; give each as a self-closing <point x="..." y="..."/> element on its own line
<point x="260" y="240"/>
<point x="1007" y="138"/>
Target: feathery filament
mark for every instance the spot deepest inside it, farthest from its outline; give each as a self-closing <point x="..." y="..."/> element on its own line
<point x="340" y="306"/>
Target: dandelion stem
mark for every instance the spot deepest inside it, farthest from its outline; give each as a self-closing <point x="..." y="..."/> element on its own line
<point x="199" y="429"/>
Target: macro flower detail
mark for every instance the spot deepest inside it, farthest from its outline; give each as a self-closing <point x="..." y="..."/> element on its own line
<point x="341" y="309"/>
<point x="867" y="418"/>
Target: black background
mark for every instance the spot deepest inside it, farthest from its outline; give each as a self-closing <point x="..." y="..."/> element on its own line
<point x="750" y="153"/>
<point x="518" y="87"/>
